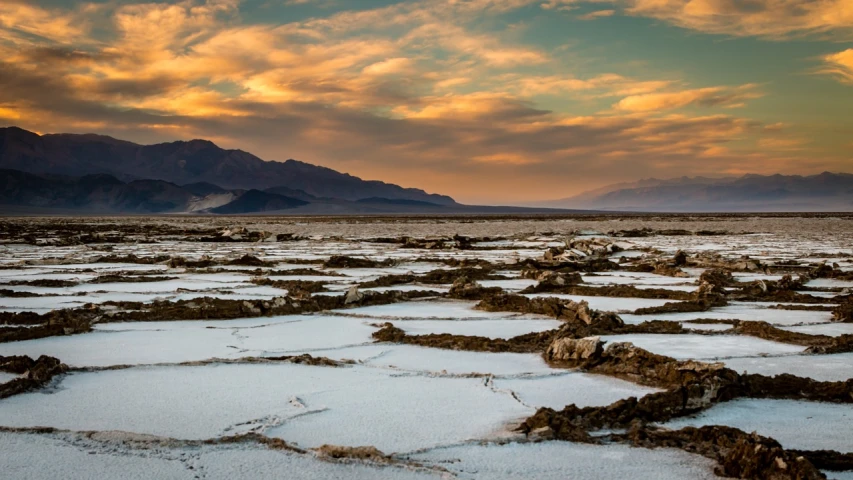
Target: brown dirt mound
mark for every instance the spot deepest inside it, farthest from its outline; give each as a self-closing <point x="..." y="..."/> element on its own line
<point x="37" y="374"/>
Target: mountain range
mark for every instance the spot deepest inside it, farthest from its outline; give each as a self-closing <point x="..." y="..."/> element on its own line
<point x="825" y="192"/>
<point x="67" y="173"/>
<point x="95" y="174"/>
<point x="183" y="163"/>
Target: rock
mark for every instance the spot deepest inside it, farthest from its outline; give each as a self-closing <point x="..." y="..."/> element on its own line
<point x="718" y="279"/>
<point x="370" y="454"/>
<point x="577" y="311"/>
<point x="571" y="352"/>
<point x="463" y="288"/>
<point x="680" y="259"/>
<point x="353" y="295"/>
<point x="344" y="261"/>
<point x="251" y="308"/>
<point x="39" y="372"/>
<point x="557" y="279"/>
<point x="843" y="312"/>
<point x="249" y="261"/>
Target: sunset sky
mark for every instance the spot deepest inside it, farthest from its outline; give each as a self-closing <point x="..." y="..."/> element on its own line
<point x="490" y="101"/>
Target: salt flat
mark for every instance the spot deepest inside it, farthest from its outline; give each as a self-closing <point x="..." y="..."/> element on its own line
<point x="145" y="399"/>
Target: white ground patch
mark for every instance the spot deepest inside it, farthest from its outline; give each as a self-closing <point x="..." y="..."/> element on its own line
<point x="275" y="465"/>
<point x="827" y="368"/>
<point x="829" y="283"/>
<point x="562" y="460"/>
<point x="143" y="343"/>
<point x="308" y="405"/>
<point x="581" y="389"/>
<point x="794" y="424"/>
<point x="40" y="457"/>
<point x="432" y="361"/>
<point x="705" y="347"/>
<point x="140" y="347"/>
<point x="484" y="328"/>
<point x="848" y="475"/>
<point x="709" y="327"/>
<point x="307" y="334"/>
<point x="7" y="377"/>
<point x="449" y="309"/>
<point x="740" y="312"/>
<point x="834" y="329"/>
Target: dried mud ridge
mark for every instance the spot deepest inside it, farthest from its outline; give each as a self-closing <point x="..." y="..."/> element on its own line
<point x="33" y="374"/>
<point x="692" y="386"/>
<point x="115" y="440"/>
<point x="689" y="386"/>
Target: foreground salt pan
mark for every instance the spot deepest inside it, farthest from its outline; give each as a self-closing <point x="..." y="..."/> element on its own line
<point x="794" y="424"/>
<point x="40" y="457"/>
<point x="705" y="347"/>
<point x="825" y="368"/>
<point x="562" y="460"/>
<point x="307" y="405"/>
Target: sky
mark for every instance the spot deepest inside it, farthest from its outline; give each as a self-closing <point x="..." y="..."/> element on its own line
<point x="489" y="101"/>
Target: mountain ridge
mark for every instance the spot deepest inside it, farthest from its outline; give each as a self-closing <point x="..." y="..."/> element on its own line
<point x="825" y="191"/>
<point x="186" y="162"/>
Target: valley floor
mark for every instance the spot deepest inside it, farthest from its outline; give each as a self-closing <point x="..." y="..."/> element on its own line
<point x="649" y="347"/>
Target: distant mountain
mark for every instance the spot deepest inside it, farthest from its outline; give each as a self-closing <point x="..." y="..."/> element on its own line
<point x="255" y="201"/>
<point x="749" y="193"/>
<point x="28" y="193"/>
<point x="193" y="164"/>
<point x="92" y="193"/>
<point x="397" y="201"/>
<point x="203" y="189"/>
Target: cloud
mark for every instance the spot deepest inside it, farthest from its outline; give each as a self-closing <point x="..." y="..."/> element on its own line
<point x="839" y="65"/>
<point x="597" y="14"/>
<point x="706" y="97"/>
<point x="770" y="19"/>
<point x="422" y="93"/>
<point x="774" y="19"/>
<point x="20" y="20"/>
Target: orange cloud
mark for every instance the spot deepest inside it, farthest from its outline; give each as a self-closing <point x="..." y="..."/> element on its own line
<point x="840" y="65"/>
<point x="20" y="17"/>
<point x="711" y="96"/>
<point x="597" y="14"/>
<point x="446" y="96"/>
<point x="774" y="19"/>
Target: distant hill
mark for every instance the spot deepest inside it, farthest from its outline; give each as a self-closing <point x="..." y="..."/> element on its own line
<point x="193" y="164"/>
<point x="749" y="193"/>
<point x="28" y="193"/>
<point x="255" y="201"/>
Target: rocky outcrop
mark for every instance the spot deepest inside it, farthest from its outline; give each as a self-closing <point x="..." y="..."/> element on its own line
<point x="737" y="453"/>
<point x="843" y="312"/>
<point x="344" y="261"/>
<point x="57" y="322"/>
<point x="466" y="289"/>
<point x="34" y="374"/>
<point x="572" y="352"/>
<point x="700" y="304"/>
<point x="551" y="281"/>
<point x="353" y="295"/>
<point x="561" y="309"/>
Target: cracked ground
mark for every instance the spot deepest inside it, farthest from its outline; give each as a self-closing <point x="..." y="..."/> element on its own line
<point x="470" y="348"/>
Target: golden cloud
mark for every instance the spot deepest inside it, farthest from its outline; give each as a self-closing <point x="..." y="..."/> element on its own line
<point x="839" y="65"/>
<point x="711" y="96"/>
